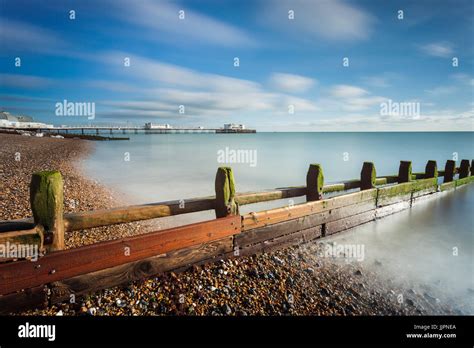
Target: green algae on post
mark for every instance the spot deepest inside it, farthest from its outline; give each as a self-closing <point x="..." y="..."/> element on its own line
<point x="46" y="199"/>
<point x="314" y="182"/>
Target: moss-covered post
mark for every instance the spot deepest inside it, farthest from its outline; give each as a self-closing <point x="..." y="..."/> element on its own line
<point x="404" y="171"/>
<point x="367" y="176"/>
<point x="472" y="167"/>
<point x="225" y="193"/>
<point x="449" y="170"/>
<point x="314" y="183"/>
<point x="431" y="170"/>
<point x="46" y="199"/>
<point x="464" y="169"/>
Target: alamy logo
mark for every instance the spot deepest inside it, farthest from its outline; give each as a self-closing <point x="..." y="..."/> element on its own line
<point x="37" y="331"/>
<point x="229" y="156"/>
<point x="347" y="251"/>
<point x="66" y="108"/>
<point x="19" y="251"/>
<point x="391" y="108"/>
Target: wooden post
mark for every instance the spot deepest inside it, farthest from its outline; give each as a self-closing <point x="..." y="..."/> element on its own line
<point x="431" y="170"/>
<point x="404" y="171"/>
<point x="367" y="176"/>
<point x="46" y="199"/>
<point x="472" y="167"/>
<point x="464" y="169"/>
<point x="314" y="183"/>
<point x="449" y="170"/>
<point x="225" y="193"/>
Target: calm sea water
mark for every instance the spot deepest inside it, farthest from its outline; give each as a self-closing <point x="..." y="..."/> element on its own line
<point x="414" y="247"/>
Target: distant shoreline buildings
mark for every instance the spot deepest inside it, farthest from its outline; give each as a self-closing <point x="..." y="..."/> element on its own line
<point x="8" y="120"/>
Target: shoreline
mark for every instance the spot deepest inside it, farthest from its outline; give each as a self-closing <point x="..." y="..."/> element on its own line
<point x="292" y="281"/>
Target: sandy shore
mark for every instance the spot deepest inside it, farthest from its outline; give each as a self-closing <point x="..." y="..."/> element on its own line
<point x="293" y="281"/>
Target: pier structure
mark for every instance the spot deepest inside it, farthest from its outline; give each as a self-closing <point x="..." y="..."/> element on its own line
<point x="128" y="129"/>
<point x="329" y="208"/>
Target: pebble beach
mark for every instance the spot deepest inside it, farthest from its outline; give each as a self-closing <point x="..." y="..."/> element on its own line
<point x="293" y="281"/>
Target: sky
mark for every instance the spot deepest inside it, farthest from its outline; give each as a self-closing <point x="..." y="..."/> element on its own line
<point x="321" y="65"/>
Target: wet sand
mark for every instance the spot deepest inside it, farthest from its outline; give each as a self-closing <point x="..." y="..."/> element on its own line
<point x="292" y="281"/>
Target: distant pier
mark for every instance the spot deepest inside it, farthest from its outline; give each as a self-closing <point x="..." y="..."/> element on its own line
<point x="129" y="129"/>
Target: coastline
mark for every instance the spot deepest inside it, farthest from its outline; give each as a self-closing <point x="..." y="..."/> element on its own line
<point x="293" y="281"/>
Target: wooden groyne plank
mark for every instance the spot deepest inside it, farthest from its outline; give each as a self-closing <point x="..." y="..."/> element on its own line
<point x="349" y="222"/>
<point x="392" y="209"/>
<point x="105" y="217"/>
<point x="270" y="231"/>
<point x="141" y="269"/>
<point x="299" y="237"/>
<point x="272" y="216"/>
<point x="69" y="263"/>
<point x="36" y="297"/>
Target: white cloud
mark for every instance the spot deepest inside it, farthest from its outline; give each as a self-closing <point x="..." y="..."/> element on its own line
<point x="162" y="17"/>
<point x="17" y="36"/>
<point x="438" y="49"/>
<point x="347" y="91"/>
<point x="441" y="90"/>
<point x="331" y="20"/>
<point x="352" y="98"/>
<point x="24" y="81"/>
<point x="291" y="83"/>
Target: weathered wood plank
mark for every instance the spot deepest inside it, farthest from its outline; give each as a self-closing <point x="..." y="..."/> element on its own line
<point x="349" y="222"/>
<point x="394" y="194"/>
<point x="295" y="238"/>
<point x="106" y="217"/>
<point x="69" y="263"/>
<point x="464" y="181"/>
<point x="446" y="186"/>
<point x="29" y="298"/>
<point x="126" y="273"/>
<point x="272" y="216"/>
<point x="275" y="230"/>
<point x="391" y="209"/>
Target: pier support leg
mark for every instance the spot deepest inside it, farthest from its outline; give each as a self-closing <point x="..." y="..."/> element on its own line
<point x="46" y="199"/>
<point x="314" y="183"/>
<point x="431" y="170"/>
<point x="449" y="170"/>
<point x="464" y="169"/>
<point x="225" y="193"/>
<point x="404" y="172"/>
<point x="367" y="176"/>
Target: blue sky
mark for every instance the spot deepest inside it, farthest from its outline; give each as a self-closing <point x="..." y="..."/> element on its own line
<point x="291" y="74"/>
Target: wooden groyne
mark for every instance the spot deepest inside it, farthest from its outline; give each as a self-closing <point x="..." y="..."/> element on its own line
<point x="58" y="273"/>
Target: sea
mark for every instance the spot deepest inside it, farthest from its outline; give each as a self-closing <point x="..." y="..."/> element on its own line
<point x="428" y="248"/>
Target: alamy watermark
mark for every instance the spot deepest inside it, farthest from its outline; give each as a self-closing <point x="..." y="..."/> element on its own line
<point x="346" y="251"/>
<point x="392" y="108"/>
<point x="243" y="156"/>
<point x="67" y="108"/>
<point x="19" y="251"/>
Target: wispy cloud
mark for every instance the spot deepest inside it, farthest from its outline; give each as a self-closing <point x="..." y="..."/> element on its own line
<point x="331" y="20"/>
<point x="292" y="83"/>
<point x="18" y="36"/>
<point x="24" y="81"/>
<point x="438" y="49"/>
<point x="162" y="17"/>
